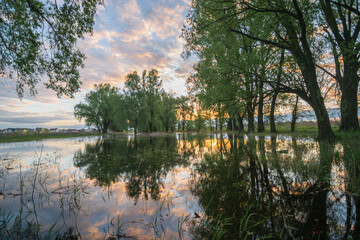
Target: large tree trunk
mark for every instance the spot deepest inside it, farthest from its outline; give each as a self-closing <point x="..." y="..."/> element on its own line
<point x="325" y="131"/>
<point x="105" y="127"/>
<point x="314" y="97"/>
<point x="272" y="113"/>
<point x="346" y="62"/>
<point x="349" y="105"/>
<point x="300" y="49"/>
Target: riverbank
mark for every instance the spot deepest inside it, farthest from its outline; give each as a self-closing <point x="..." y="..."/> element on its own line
<point x="302" y="130"/>
<point x="18" y="137"/>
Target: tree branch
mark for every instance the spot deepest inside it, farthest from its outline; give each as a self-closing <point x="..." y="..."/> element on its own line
<point x="279" y="45"/>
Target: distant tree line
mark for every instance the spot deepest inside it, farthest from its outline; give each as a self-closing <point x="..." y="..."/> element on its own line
<point x="252" y="52"/>
<point x="143" y="105"/>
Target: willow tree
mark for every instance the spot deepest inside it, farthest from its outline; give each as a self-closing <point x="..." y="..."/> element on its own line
<point x="233" y="70"/>
<point x="289" y="25"/>
<point x="38" y="39"/>
<point x="342" y="27"/>
<point x="136" y="114"/>
<point x="144" y="100"/>
<point x="98" y="107"/>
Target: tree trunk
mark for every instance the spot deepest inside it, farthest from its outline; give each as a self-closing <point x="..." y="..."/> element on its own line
<point x="300" y="49"/>
<point x="272" y="113"/>
<point x="105" y="127"/>
<point x="294" y="115"/>
<point x="233" y="124"/>
<point x="250" y="113"/>
<point x="346" y="62"/>
<point x="314" y="97"/>
<point x="150" y="127"/>
<point x="276" y="93"/>
<point x="349" y="106"/>
<point x="221" y="123"/>
<point x="229" y="125"/>
<point x="241" y="123"/>
<point x="325" y="131"/>
<point x="261" y="127"/>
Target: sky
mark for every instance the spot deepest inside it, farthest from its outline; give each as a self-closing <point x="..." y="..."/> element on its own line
<point x="129" y="35"/>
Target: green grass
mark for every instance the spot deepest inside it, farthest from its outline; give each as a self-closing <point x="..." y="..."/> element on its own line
<point x="32" y="137"/>
<point x="354" y="135"/>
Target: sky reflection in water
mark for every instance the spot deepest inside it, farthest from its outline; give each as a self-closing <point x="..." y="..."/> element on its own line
<point x="182" y="186"/>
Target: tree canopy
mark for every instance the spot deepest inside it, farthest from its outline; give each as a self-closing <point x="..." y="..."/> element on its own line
<point x="297" y="47"/>
<point x="97" y="109"/>
<point x="39" y="40"/>
<point x="143" y="105"/>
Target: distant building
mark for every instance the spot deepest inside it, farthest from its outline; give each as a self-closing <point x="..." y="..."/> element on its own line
<point x="11" y="130"/>
<point x="53" y="130"/>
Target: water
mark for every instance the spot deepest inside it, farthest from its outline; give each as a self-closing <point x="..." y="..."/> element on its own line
<point x="184" y="186"/>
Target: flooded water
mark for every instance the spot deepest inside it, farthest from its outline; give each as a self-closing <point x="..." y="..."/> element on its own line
<point x="214" y="186"/>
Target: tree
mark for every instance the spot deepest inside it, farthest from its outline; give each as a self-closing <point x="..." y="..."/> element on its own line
<point x="185" y="111"/>
<point x="168" y="110"/>
<point x="136" y="114"/>
<point x="342" y="27"/>
<point x="38" y="38"/>
<point x="97" y="109"/>
<point x="281" y="24"/>
<point x="149" y="107"/>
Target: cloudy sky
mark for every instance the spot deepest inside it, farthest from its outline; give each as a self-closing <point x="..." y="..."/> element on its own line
<point x="129" y="35"/>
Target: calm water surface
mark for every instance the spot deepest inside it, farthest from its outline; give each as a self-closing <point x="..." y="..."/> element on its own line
<point x="215" y="186"/>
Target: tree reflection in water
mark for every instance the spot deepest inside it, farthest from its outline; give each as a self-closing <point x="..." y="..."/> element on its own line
<point x="142" y="163"/>
<point x="262" y="187"/>
<point x="248" y="187"/>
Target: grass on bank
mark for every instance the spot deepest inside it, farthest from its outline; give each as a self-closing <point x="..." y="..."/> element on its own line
<point x="304" y="129"/>
<point x="39" y="136"/>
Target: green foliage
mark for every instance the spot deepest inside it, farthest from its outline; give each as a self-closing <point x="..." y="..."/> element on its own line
<point x="143" y="105"/>
<point x="98" y="107"/>
<point x="149" y="107"/>
<point x="38" y="38"/>
<point x="239" y="45"/>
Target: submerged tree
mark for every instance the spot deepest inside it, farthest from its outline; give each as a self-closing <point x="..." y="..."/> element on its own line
<point x="98" y="109"/>
<point x="341" y="24"/>
<point x="282" y="25"/>
<point x="38" y="38"/>
<point x="149" y="107"/>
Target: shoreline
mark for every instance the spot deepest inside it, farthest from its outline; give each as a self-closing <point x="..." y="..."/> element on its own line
<point x="19" y="137"/>
<point x="309" y="131"/>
